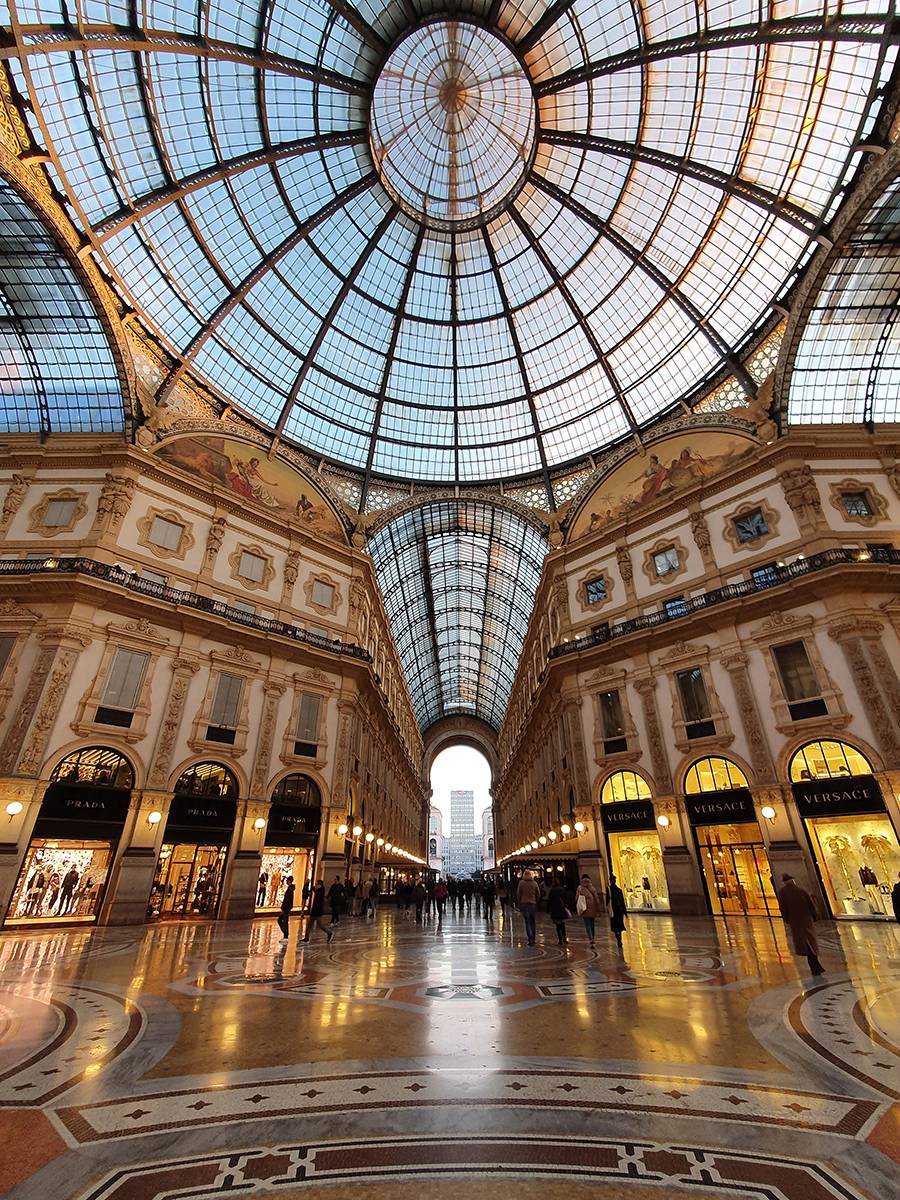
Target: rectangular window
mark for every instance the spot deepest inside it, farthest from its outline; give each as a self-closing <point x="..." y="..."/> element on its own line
<point x="765" y="576"/>
<point x="612" y="720"/>
<point x="154" y="577"/>
<point x="798" y="678"/>
<point x="750" y="526"/>
<point x="666" y="561"/>
<point x="856" y="504"/>
<point x="7" y="641"/>
<point x="595" y="590"/>
<point x="695" y="703"/>
<point x="309" y="716"/>
<point x="252" y="567"/>
<point x="59" y="512"/>
<point x="242" y="606"/>
<point x="322" y="594"/>
<point x="676" y="607"/>
<point x="166" y="534"/>
<point x="227" y="701"/>
<point x="123" y="683"/>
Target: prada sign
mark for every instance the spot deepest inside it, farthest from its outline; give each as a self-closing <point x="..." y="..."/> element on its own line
<point x="289" y="825"/>
<point x="720" y="808"/>
<point x="202" y="812"/>
<point x="627" y="816"/>
<point x="838" y="797"/>
<point x="73" y="803"/>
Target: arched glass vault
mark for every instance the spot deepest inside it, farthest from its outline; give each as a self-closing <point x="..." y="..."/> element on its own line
<point x="459" y="581"/>
<point x="57" y="371"/>
<point x="450" y="244"/>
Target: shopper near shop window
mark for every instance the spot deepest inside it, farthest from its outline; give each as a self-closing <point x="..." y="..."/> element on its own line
<point x="420" y="895"/>
<point x="587" y="906"/>
<point x="800" y="913"/>
<point x="558" y="910"/>
<point x="316" y="912"/>
<point x="287" y="903"/>
<point x="615" y="899"/>
<point x="441" y="892"/>
<point x="488" y="894"/>
<point x="895" y="899"/>
<point x="374" y="897"/>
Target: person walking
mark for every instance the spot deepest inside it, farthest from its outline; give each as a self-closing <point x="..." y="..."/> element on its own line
<point x="800" y="914"/>
<point x="587" y="906"/>
<point x="287" y="903"/>
<point x="558" y="910"/>
<point x="374" y="897"/>
<point x="316" y="913"/>
<point x="441" y="892"/>
<point x="615" y="899"/>
<point x="895" y="899"/>
<point x="419" y="895"/>
<point x="488" y="894"/>
<point x="527" y="895"/>
<point x="336" y="900"/>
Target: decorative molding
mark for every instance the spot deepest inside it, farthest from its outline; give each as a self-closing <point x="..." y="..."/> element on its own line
<point x="321" y="577"/>
<point x="182" y="672"/>
<point x="214" y="538"/>
<point x="145" y="524"/>
<point x="260" y="775"/>
<point x="729" y="529"/>
<point x="802" y="495"/>
<point x="114" y="500"/>
<point x="682" y="649"/>
<point x="234" y="561"/>
<point x="735" y="663"/>
<point x="37" y="515"/>
<point x="40" y="727"/>
<point x="646" y="689"/>
<point x="876" y="502"/>
<point x="701" y="535"/>
<point x="26" y="709"/>
<point x="883" y="726"/>
<point x="609" y="584"/>
<point x="649" y="564"/>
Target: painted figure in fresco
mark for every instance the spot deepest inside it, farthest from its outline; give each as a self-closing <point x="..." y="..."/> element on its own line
<point x="246" y="480"/>
<point x="656" y="477"/>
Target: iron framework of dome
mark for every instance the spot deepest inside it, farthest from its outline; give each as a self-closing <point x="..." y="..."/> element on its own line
<point x="466" y="305"/>
<point x="459" y="581"/>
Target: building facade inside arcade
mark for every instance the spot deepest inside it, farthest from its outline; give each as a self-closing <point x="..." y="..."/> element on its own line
<point x="340" y="431"/>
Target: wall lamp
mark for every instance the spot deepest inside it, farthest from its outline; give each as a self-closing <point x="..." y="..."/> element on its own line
<point x="14" y="808"/>
<point x="259" y="823"/>
<point x="153" y="818"/>
<point x="768" y="812"/>
<point x="663" y="822"/>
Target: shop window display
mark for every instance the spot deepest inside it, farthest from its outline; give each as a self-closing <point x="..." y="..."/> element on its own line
<point x="858" y="861"/>
<point x="277" y="865"/>
<point x="638" y="867"/>
<point x="188" y="881"/>
<point x="60" y="881"/>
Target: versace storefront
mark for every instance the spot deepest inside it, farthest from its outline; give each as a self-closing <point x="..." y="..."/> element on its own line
<point x="730" y="847"/>
<point x="853" y="842"/>
<point x="632" y="842"/>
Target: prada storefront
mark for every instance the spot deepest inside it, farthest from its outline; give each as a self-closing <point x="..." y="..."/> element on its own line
<point x="292" y="834"/>
<point x="730" y="848"/>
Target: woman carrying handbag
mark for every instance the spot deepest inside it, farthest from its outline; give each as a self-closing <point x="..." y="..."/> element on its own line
<point x="587" y="906"/>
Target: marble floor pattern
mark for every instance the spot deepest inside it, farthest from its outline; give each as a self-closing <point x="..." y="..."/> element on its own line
<point x="419" y="1063"/>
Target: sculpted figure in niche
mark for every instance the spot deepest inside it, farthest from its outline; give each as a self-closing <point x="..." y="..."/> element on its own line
<point x="12" y="501"/>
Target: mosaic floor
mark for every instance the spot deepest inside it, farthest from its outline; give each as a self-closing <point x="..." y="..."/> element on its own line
<point x="421" y="1064"/>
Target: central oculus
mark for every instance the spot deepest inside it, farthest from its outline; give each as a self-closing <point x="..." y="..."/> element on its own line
<point x="452" y="123"/>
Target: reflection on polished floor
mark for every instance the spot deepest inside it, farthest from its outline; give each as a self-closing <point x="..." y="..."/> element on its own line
<point x="415" y="1063"/>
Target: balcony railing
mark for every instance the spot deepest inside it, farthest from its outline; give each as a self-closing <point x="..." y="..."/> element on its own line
<point x="774" y="576"/>
<point x="160" y="591"/>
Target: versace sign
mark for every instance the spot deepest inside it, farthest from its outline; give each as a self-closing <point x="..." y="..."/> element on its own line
<point x="720" y="808"/>
<point x="840" y="797"/>
<point x="628" y="816"/>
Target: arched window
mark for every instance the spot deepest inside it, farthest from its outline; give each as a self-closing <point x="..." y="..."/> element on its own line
<point x="95" y="766"/>
<point x="713" y="775"/>
<point x="299" y="790"/>
<point x="207" y="779"/>
<point x="624" y="785"/>
<point x="491" y="847"/>
<point x="827" y="760"/>
<point x="432" y="847"/>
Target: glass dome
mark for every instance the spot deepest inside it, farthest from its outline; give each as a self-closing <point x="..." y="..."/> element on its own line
<point x="451" y="244"/>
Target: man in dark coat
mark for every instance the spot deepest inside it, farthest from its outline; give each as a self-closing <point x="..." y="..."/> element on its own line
<point x="615" y="900"/>
<point x="336" y="899"/>
<point x="799" y="911"/>
<point x="895" y="899"/>
<point x="287" y="903"/>
<point x="316" y="911"/>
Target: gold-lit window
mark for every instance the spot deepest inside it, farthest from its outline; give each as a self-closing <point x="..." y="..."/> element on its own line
<point x="828" y="760"/>
<point x="624" y="785"/>
<point x="713" y="775"/>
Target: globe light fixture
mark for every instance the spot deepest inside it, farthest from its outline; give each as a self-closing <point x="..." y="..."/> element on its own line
<point x="379" y="842"/>
<point x="552" y="835"/>
<point x="259" y="823"/>
<point x="663" y="822"/>
<point x="357" y="830"/>
<point x="579" y="826"/>
<point x="370" y="837"/>
<point x="565" y="829"/>
<point x="768" y="812"/>
<point x="15" y="807"/>
<point x="542" y="840"/>
<point x="153" y="818"/>
<point x="342" y="830"/>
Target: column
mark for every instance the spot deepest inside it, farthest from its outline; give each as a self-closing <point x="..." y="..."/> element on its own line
<point x="785" y="841"/>
<point x="128" y="892"/>
<point x="238" y="900"/>
<point x="851" y="635"/>
<point x="735" y="663"/>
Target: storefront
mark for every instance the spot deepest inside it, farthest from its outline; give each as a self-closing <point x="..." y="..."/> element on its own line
<point x="191" y="866"/>
<point x="292" y="835"/>
<point x="730" y="848"/>
<point x="632" y="842"/>
<point x="853" y="842"/>
<point x="66" y="867"/>
<point x="546" y="871"/>
<point x="635" y="855"/>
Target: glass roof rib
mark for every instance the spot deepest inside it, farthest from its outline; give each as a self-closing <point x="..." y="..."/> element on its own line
<point x="847" y="366"/>
<point x="452" y="243"/>
<point x="459" y="581"/>
<point x="58" y="372"/>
